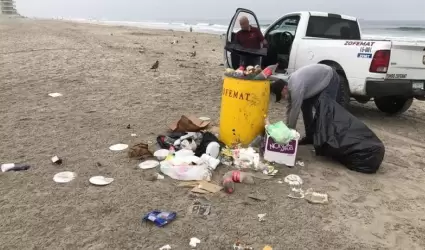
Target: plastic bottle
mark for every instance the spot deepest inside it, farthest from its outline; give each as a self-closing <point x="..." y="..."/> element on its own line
<point x="14" y="167"/>
<point x="266" y="72"/>
<point x="237" y="176"/>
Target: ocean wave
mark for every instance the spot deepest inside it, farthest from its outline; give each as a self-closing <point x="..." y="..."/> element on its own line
<point x="406" y="28"/>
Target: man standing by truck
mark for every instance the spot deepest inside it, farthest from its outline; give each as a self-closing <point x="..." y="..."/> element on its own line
<point x="251" y="38"/>
<point x="302" y="90"/>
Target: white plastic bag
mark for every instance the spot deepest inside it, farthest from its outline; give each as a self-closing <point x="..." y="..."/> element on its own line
<point x="186" y="172"/>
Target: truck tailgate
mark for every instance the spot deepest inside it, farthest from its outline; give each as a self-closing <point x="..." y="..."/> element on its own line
<point x="407" y="60"/>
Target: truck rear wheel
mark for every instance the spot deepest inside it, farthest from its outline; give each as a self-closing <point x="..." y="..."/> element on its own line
<point x="343" y="96"/>
<point x="393" y="105"/>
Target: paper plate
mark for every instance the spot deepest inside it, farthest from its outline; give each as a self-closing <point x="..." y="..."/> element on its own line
<point x="100" y="180"/>
<point x="118" y="147"/>
<point x="64" y="177"/>
<point x="161" y="154"/>
<point x="55" y="94"/>
<point x="149" y="164"/>
<point x="204" y="118"/>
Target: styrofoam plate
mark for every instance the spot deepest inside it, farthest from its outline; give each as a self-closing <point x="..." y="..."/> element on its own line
<point x="100" y="180"/>
<point x="118" y="147"/>
<point x="64" y="177"/>
<point x="149" y="164"/>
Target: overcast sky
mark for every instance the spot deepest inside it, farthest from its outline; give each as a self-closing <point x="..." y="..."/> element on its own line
<point x="217" y="9"/>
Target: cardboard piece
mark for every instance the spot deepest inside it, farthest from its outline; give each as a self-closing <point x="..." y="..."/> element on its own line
<point x="188" y="123"/>
<point x="281" y="154"/>
<point x="199" y="191"/>
<point x="188" y="184"/>
<point x="210" y="187"/>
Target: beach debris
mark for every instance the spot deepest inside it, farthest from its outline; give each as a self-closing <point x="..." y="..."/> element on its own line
<point x="231" y="177"/>
<point x="267" y="247"/>
<point x="160" y="218"/>
<point x="128" y="126"/>
<point x="258" y="197"/>
<point x="140" y="151"/>
<point x="295" y="182"/>
<point x="200" y="208"/>
<point x="64" y="177"/>
<point x="193" y="54"/>
<point x="14" y="167"/>
<point x="204" y="118"/>
<point x="175" y="41"/>
<point x="155" y="65"/>
<point x="300" y="163"/>
<point x="315" y="197"/>
<point x="56" y="160"/>
<point x="133" y="135"/>
<point x="118" y="147"/>
<point x="55" y="94"/>
<point x="100" y="180"/>
<point x="141" y="51"/>
<point x="261" y="217"/>
<point x="161" y="154"/>
<point x="188" y="123"/>
<point x="149" y="164"/>
<point x="98" y="164"/>
<point x="166" y="247"/>
<point x="239" y="246"/>
<point x="159" y="176"/>
<point x="194" y="241"/>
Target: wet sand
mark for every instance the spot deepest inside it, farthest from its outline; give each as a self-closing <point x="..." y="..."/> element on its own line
<point x="103" y="74"/>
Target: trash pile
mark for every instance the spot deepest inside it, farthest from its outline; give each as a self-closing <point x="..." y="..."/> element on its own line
<point x="251" y="72"/>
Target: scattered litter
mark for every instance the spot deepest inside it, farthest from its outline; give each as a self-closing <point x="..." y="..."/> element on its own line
<point x="261" y="217"/>
<point x="300" y="163"/>
<point x="166" y="247"/>
<point x="55" y="94"/>
<point x="160" y="177"/>
<point x="269" y="170"/>
<point x="100" y="180"/>
<point x="14" y="167"/>
<point x="257" y="197"/>
<point x="64" y="177"/>
<point x="246" y="158"/>
<point x="56" y="160"/>
<point x="280" y="181"/>
<point x="140" y="151"/>
<point x="210" y="187"/>
<point x="118" y="147"/>
<point x="203" y="118"/>
<point x="200" y="208"/>
<point x="315" y="197"/>
<point x="295" y="183"/>
<point x="128" y="126"/>
<point x="161" y="154"/>
<point x="194" y="241"/>
<point x="213" y="149"/>
<point x="188" y="124"/>
<point x="160" y="218"/>
<point x="239" y="246"/>
<point x="267" y="247"/>
<point x="231" y="177"/>
<point x="149" y="164"/>
<point x="133" y="135"/>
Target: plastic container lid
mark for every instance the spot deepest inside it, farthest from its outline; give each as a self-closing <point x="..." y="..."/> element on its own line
<point x="213" y="149"/>
<point x="118" y="147"/>
<point x="161" y="154"/>
<point x="149" y="164"/>
<point x="64" y="177"/>
<point x="100" y="180"/>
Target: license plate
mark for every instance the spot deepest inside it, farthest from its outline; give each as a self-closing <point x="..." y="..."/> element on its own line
<point x="418" y="85"/>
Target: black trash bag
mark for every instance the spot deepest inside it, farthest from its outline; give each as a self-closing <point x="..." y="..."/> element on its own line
<point x="207" y="137"/>
<point x="341" y="136"/>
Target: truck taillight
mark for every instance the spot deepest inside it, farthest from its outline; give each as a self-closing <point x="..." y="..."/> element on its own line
<point x="380" y="61"/>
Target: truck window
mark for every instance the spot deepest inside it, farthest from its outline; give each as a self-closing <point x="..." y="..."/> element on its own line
<point x="288" y="24"/>
<point x="333" y="28"/>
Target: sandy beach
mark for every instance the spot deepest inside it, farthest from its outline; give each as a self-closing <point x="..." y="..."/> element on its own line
<point x="103" y="74"/>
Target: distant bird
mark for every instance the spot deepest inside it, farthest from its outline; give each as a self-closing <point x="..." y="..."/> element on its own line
<point x="155" y="65"/>
<point x="193" y="54"/>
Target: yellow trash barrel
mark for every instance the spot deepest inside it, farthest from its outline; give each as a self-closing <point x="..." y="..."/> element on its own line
<point x="244" y="105"/>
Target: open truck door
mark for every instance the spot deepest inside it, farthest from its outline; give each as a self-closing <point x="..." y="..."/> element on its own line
<point x="232" y="58"/>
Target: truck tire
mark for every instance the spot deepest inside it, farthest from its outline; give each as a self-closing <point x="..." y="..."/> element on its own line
<point x="393" y="105"/>
<point x="362" y="99"/>
<point x="343" y="96"/>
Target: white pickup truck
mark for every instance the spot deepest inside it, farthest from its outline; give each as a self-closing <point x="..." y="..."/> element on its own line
<point x="390" y="72"/>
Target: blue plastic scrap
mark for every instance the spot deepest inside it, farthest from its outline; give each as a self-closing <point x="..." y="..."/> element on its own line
<point x="159" y="218"/>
